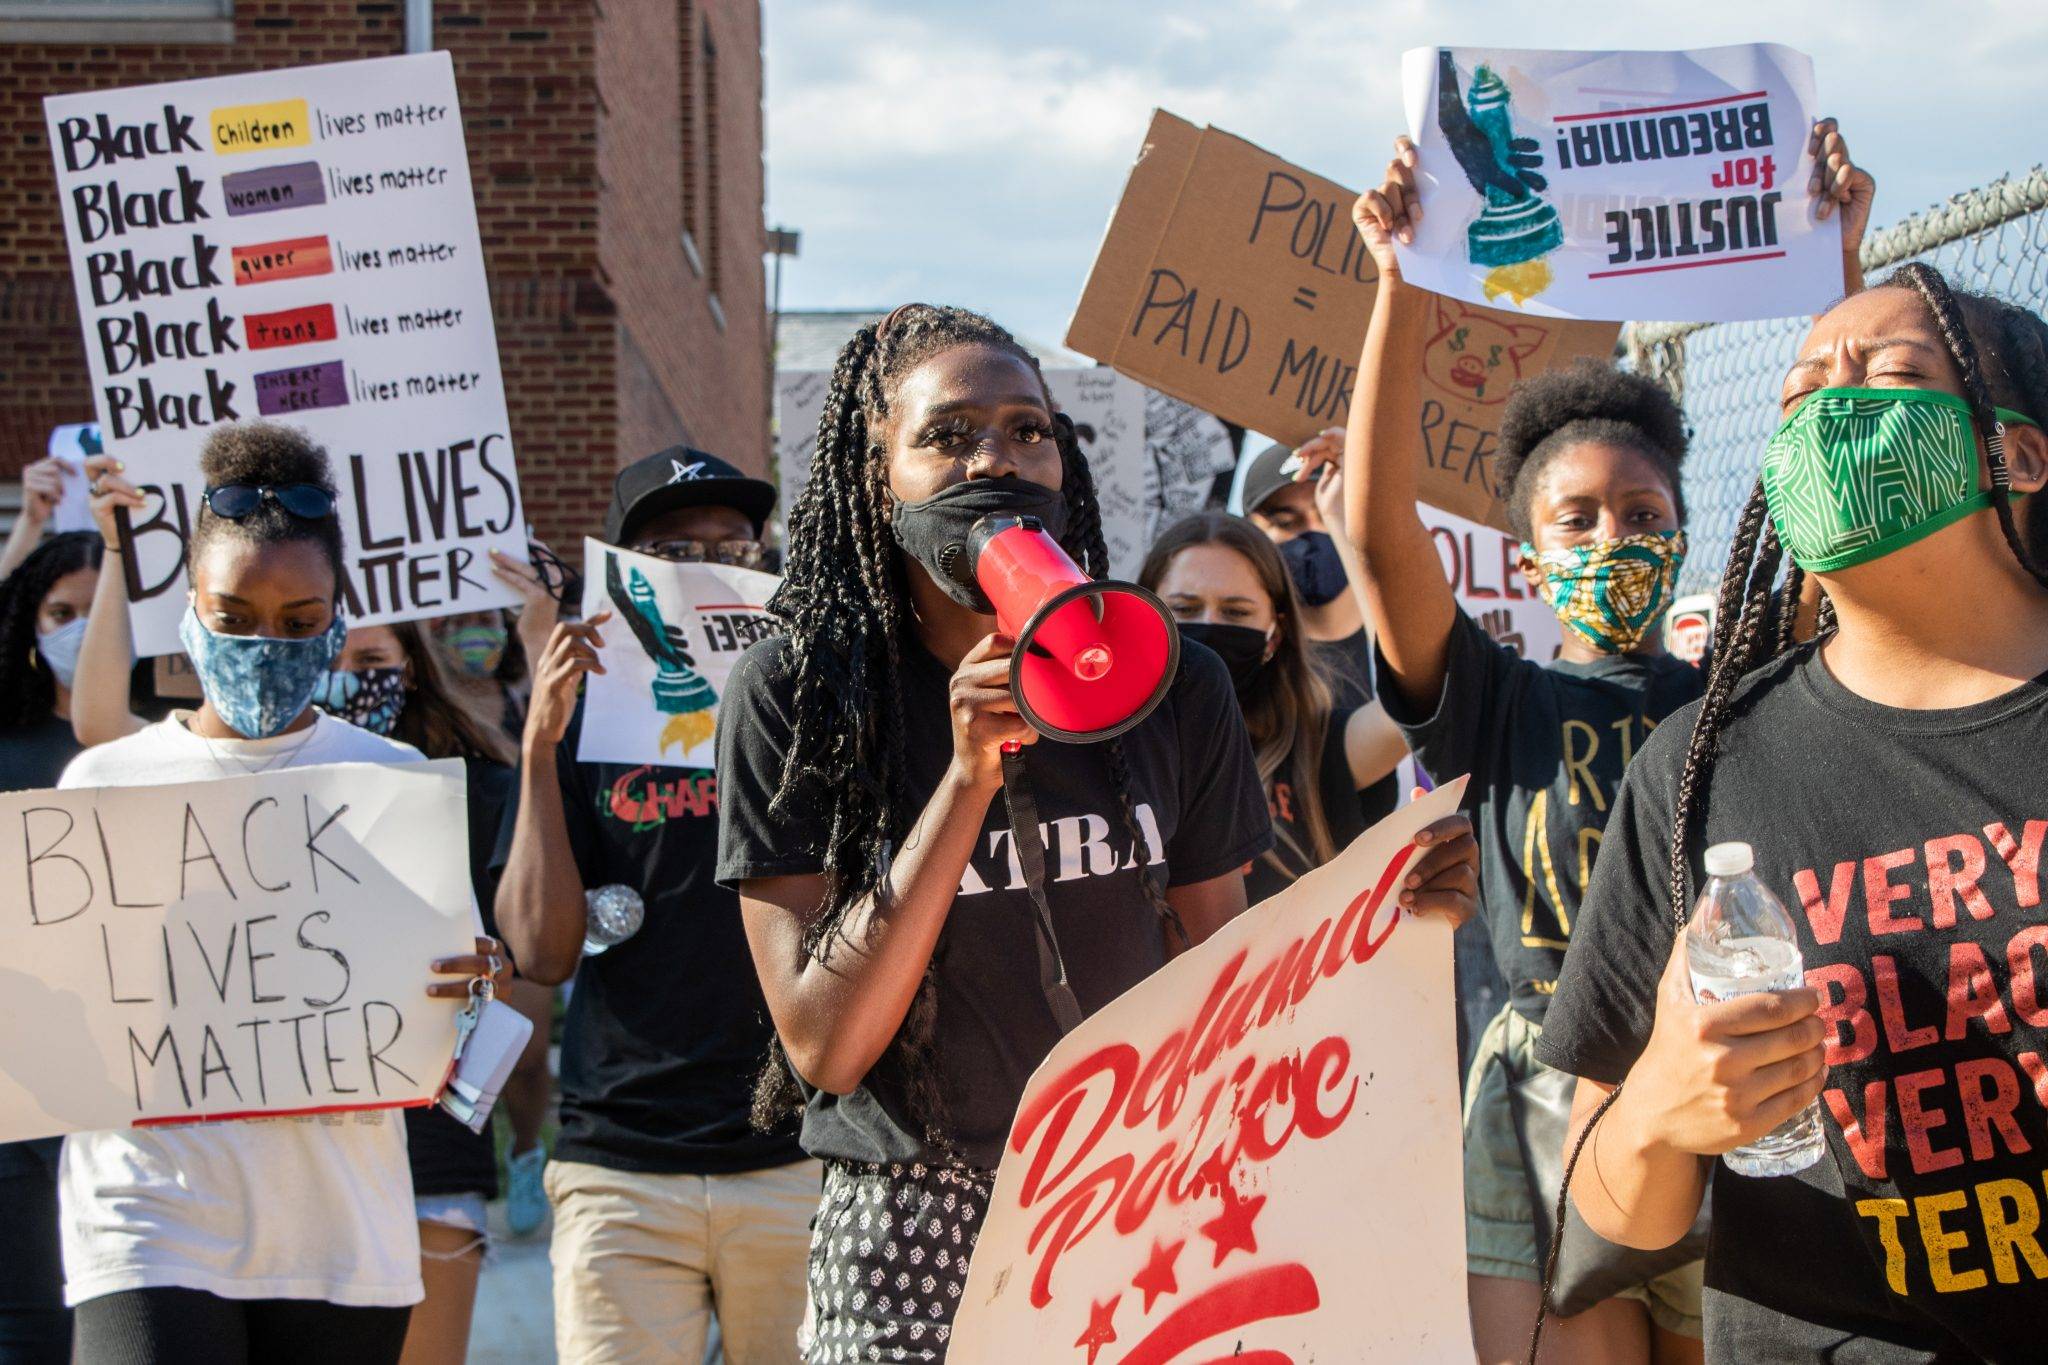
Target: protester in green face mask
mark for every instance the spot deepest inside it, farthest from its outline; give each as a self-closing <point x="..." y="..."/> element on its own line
<point x="1887" y="776"/>
<point x="1854" y="473"/>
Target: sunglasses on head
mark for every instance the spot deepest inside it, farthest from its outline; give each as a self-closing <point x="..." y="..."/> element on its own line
<point x="306" y="501"/>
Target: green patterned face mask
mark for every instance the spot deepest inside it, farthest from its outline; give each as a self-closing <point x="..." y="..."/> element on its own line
<point x="1611" y="592"/>
<point x="1854" y="474"/>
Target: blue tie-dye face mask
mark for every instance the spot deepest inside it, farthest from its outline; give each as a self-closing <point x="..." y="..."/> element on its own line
<point x="257" y="684"/>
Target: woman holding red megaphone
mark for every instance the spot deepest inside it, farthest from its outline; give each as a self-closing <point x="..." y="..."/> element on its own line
<point x="892" y="916"/>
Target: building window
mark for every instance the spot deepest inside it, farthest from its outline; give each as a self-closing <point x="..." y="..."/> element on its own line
<point x="117" y="21"/>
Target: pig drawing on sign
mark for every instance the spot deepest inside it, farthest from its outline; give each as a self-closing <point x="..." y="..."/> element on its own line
<point x="1474" y="355"/>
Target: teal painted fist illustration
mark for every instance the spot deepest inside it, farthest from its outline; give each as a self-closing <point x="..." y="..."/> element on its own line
<point x="679" y="690"/>
<point x="1517" y="228"/>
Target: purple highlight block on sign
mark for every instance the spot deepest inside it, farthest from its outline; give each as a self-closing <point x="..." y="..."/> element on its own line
<point x="295" y="186"/>
<point x="301" y="388"/>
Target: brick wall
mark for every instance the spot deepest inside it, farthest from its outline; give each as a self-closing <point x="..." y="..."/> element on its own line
<point x="711" y="369"/>
<point x="562" y="172"/>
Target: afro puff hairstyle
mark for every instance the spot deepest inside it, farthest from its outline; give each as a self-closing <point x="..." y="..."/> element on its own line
<point x="266" y="454"/>
<point x="1586" y="401"/>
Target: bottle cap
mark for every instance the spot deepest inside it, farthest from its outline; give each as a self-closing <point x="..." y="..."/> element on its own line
<point x="1730" y="860"/>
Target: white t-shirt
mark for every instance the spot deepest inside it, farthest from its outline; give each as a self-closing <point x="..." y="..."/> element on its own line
<point x="315" y="1207"/>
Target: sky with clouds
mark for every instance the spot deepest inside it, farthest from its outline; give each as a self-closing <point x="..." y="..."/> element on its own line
<point x="970" y="151"/>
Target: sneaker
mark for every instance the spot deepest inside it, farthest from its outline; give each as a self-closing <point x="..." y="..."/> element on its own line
<point x="526" y="1203"/>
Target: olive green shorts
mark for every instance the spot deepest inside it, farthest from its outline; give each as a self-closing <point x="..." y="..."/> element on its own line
<point x="1500" y="1220"/>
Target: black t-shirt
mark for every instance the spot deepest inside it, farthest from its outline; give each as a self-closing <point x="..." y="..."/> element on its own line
<point x="1546" y="746"/>
<point x="1905" y="845"/>
<point x="32" y="757"/>
<point x="667" y="1031"/>
<point x="1195" y="792"/>
<point x="1347" y="664"/>
<point x="446" y="1157"/>
<point x="1343" y="810"/>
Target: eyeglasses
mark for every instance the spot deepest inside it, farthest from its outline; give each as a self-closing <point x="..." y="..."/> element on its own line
<point x="306" y="501"/>
<point x="737" y="554"/>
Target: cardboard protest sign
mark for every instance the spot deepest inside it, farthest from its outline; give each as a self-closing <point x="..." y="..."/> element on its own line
<point x="251" y="947"/>
<point x="1619" y="184"/>
<point x="1235" y="281"/>
<point x="1134" y="478"/>
<point x="1213" y="1164"/>
<point x="71" y="446"/>
<point x="675" y="633"/>
<point x="1480" y="563"/>
<point x="299" y="245"/>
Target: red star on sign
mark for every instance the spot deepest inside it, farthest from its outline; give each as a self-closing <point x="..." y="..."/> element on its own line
<point x="1157" y="1277"/>
<point x="1231" y="1230"/>
<point x="1101" y="1327"/>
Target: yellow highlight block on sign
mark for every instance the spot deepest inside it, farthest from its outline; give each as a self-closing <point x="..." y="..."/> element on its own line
<point x="260" y="127"/>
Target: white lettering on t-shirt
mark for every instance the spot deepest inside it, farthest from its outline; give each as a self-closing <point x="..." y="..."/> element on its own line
<point x="1087" y="845"/>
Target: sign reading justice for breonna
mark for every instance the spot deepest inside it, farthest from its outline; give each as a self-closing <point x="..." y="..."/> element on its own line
<point x="299" y="245"/>
<point x="1619" y="185"/>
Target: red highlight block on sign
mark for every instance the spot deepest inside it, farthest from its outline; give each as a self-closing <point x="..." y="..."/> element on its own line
<point x="290" y="327"/>
<point x="291" y="259"/>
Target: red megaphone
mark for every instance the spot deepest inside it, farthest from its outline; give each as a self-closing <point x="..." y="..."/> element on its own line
<point x="1092" y="658"/>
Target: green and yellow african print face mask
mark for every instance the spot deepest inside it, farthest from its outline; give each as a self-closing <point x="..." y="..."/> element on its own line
<point x="1611" y="592"/>
<point x="1854" y="474"/>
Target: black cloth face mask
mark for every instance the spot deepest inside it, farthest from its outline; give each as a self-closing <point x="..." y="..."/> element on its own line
<point x="1242" y="649"/>
<point x="1313" y="564"/>
<point x="934" y="530"/>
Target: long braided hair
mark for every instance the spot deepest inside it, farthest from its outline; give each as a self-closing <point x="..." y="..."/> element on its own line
<point x="28" y="690"/>
<point x="2001" y="352"/>
<point x="844" y="606"/>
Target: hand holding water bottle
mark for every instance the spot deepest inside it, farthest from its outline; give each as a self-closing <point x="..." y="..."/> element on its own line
<point x="1716" y="1077"/>
<point x="1741" y="942"/>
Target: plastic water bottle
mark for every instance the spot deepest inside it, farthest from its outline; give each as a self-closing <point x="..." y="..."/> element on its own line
<point x="615" y="915"/>
<point x="1741" y="941"/>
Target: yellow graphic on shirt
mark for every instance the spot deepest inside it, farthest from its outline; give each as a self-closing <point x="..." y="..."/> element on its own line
<point x="1546" y="918"/>
<point x="1535" y="858"/>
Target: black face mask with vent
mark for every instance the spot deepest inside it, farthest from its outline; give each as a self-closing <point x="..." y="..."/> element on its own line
<point x="934" y="530"/>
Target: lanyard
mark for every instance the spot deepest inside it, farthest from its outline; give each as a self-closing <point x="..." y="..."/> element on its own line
<point x="1024" y="837"/>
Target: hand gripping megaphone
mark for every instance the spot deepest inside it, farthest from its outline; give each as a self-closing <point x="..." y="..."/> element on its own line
<point x="1093" y="658"/>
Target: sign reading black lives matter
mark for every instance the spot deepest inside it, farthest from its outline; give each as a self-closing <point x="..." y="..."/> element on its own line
<point x="251" y="947"/>
<point x="299" y="245"/>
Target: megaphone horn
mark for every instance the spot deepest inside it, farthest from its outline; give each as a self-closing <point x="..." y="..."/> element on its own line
<point x="1093" y="658"/>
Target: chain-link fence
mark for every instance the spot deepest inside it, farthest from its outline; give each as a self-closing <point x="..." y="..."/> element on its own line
<point x="1993" y="239"/>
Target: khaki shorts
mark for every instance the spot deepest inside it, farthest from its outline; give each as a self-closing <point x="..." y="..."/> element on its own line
<point x="642" y="1262"/>
<point x="1500" y="1220"/>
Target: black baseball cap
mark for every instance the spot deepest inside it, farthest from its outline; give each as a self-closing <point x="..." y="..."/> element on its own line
<point x="682" y="477"/>
<point x="1271" y="470"/>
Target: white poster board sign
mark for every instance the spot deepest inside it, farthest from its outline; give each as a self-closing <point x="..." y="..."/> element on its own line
<point x="1252" y="1154"/>
<point x="1619" y="185"/>
<point x="71" y="445"/>
<point x="299" y="245"/>
<point x="251" y="947"/>
<point x="1153" y="457"/>
<point x="1480" y="563"/>
<point x="675" y="633"/>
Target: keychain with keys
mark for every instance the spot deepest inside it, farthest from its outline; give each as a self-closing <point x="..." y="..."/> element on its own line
<point x="489" y="1036"/>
